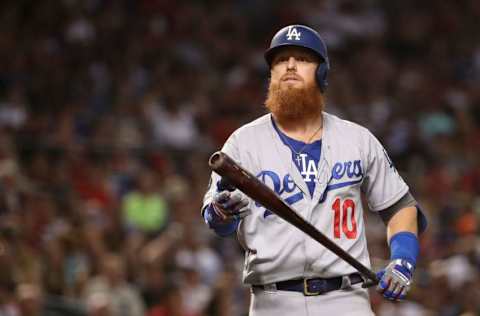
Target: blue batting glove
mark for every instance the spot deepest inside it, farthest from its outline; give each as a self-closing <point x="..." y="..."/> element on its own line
<point x="229" y="205"/>
<point x="395" y="279"/>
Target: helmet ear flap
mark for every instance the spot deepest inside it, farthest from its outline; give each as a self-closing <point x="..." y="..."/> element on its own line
<point x="321" y="76"/>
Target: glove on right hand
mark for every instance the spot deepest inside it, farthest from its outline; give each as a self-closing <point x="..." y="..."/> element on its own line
<point x="230" y="205"/>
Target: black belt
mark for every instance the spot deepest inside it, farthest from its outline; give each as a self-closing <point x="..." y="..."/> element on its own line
<point x="316" y="286"/>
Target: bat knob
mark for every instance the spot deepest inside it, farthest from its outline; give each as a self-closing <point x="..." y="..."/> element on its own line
<point x="369" y="283"/>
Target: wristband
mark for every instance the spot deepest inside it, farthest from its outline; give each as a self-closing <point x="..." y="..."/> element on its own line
<point x="216" y="223"/>
<point x="404" y="245"/>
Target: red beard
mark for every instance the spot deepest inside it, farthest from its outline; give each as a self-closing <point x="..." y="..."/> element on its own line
<point x="294" y="105"/>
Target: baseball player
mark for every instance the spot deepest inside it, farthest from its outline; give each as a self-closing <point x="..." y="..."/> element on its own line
<point x="321" y="166"/>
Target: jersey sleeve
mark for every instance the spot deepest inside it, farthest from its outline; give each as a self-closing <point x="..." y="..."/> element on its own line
<point x="230" y="148"/>
<point x="383" y="186"/>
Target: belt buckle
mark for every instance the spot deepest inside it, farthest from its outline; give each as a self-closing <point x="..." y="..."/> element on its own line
<point x="307" y="292"/>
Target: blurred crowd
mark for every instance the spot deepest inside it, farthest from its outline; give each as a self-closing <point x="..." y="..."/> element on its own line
<point x="110" y="109"/>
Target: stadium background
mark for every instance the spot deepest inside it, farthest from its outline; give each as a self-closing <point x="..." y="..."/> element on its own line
<point x="110" y="109"/>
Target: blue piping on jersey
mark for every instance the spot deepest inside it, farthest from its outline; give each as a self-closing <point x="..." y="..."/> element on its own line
<point x="290" y="200"/>
<point x="335" y="186"/>
<point x="294" y="198"/>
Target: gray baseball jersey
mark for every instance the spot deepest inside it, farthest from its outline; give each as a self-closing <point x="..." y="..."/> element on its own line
<point x="352" y="161"/>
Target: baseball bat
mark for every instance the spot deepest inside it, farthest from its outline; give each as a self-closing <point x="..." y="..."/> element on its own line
<point x="246" y="182"/>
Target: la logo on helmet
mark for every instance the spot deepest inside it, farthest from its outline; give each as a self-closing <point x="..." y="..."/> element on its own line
<point x="292" y="32"/>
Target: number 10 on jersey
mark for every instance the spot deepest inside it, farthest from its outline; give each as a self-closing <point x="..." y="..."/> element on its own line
<point x="343" y="213"/>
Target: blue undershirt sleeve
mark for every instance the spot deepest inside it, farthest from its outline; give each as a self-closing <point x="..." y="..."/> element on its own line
<point x="219" y="227"/>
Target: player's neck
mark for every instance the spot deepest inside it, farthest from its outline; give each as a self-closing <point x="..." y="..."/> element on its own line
<point x="307" y="130"/>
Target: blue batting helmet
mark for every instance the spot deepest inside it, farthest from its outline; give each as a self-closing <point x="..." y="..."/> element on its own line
<point x="302" y="36"/>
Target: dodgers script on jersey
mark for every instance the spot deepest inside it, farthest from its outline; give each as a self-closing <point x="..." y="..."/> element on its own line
<point x="352" y="162"/>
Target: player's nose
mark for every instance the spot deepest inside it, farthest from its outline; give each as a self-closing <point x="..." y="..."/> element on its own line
<point x="292" y="63"/>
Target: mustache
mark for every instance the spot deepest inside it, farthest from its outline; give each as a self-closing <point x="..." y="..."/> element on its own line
<point x="291" y="75"/>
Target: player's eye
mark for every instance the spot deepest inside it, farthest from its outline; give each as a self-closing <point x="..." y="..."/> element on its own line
<point x="282" y="59"/>
<point x="303" y="58"/>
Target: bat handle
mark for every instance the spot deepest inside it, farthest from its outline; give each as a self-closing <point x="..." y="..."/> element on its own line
<point x="369" y="283"/>
<point x="223" y="185"/>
